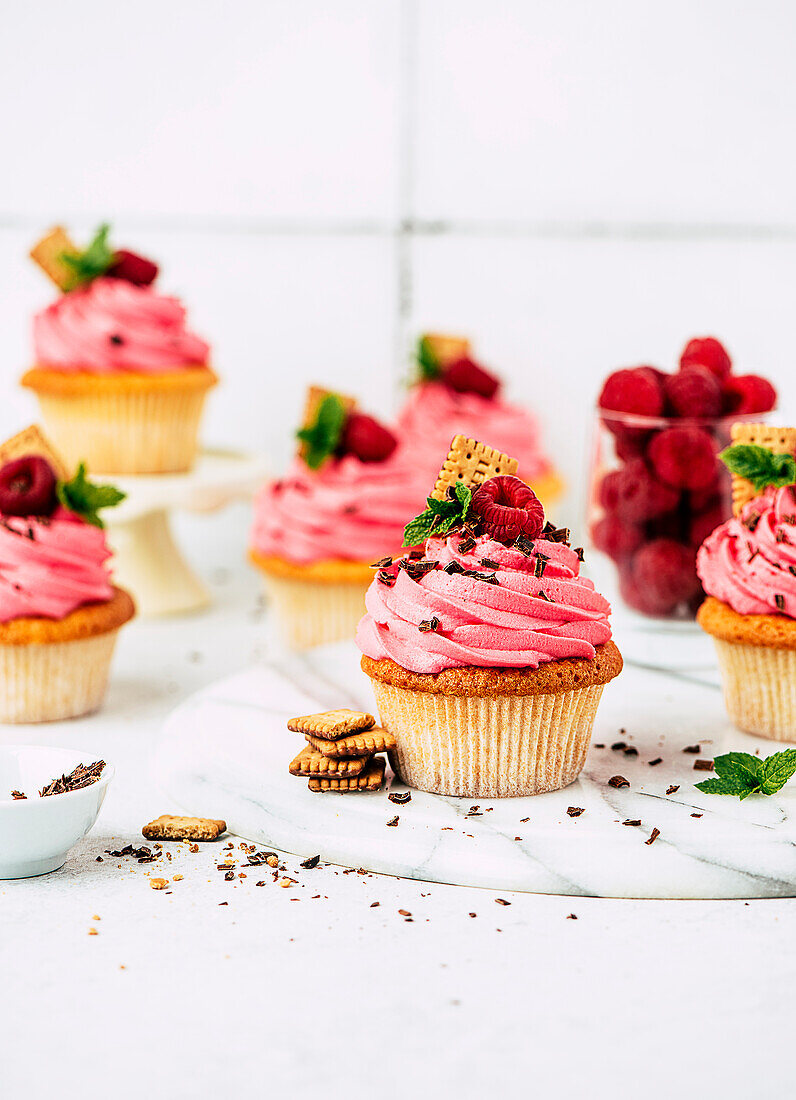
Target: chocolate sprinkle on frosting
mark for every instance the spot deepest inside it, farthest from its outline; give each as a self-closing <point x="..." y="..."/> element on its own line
<point x="524" y="545"/>
<point x="489" y="564"/>
<point x="752" y="521"/>
<point x="417" y="569"/>
<point x="779" y="600"/>
<point x="453" y="567"/>
<point x="428" y="625"/>
<point x="540" y="565"/>
<point x="579" y="552"/>
<point x="780" y="535"/>
<point x="466" y="544"/>
<point x="488" y="578"/>
<point x="116" y="339"/>
<point x="556" y="534"/>
<point x="382" y="563"/>
<point x="385" y="578"/>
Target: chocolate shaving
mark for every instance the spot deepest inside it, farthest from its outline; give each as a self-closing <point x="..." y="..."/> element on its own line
<point x="544" y="596"/>
<point x="751" y="521"/>
<point x="779" y="600"/>
<point x="116" y="339"/>
<point x="524" y="545"/>
<point x="18" y="796"/>
<point x="400" y="798"/>
<point x="466" y="544"/>
<point x="142" y="854"/>
<point x="80" y="777"/>
<point x="618" y="781"/>
<point x="789" y="518"/>
<point x="654" y="763"/>
<point x="385" y="578"/>
<point x="556" y="534"/>
<point x="753" y="552"/>
<point x="417" y="569"/>
<point x="780" y="535"/>
<point x="695" y="749"/>
<point x="673" y="789"/>
<point x="631" y="750"/>
<point x="428" y="624"/>
<point x="579" y="552"/>
<point x="632" y="821"/>
<point x="452" y="567"/>
<point x="393" y="822"/>
<point x="653" y="836"/>
<point x="575" y="811"/>
<point x="540" y="565"/>
<point x="489" y="564"/>
<point x="792" y="569"/>
<point x="703" y="765"/>
<point x="487" y="578"/>
<point x="618" y="746"/>
<point x="382" y="563"/>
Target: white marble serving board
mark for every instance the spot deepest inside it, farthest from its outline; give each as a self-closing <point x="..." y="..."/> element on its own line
<point x="225" y="753"/>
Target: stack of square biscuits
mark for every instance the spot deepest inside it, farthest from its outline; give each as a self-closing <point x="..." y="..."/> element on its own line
<point x="341" y="751"/>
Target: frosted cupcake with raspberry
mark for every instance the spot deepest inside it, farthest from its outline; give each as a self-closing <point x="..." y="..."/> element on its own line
<point x="456" y="395"/>
<point x="748" y="570"/>
<point x="59" y="612"/>
<point x="488" y="651"/>
<point x="120" y="378"/>
<point x="341" y="506"/>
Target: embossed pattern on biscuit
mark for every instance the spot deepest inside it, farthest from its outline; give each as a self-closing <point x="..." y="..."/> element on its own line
<point x="332" y="724"/>
<point x="310" y="762"/>
<point x="357" y="744"/>
<point x="368" y="780"/>
<point x="472" y="463"/>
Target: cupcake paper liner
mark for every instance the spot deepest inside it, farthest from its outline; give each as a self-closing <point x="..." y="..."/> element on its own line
<point x="53" y="680"/>
<point x="137" y="432"/>
<point x="308" y="614"/>
<point x="496" y="746"/>
<point x="759" y="688"/>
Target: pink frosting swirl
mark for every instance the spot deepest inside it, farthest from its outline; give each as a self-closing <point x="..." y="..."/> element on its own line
<point x="112" y="326"/>
<point x="520" y="622"/>
<point x="348" y="509"/>
<point x="749" y="562"/>
<point x="434" y="414"/>
<point x="49" y="568"/>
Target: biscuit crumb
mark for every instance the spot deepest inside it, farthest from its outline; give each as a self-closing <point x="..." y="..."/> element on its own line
<point x="158" y="883"/>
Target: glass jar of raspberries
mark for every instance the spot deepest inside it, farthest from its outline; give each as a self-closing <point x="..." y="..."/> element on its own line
<point x="657" y="487"/>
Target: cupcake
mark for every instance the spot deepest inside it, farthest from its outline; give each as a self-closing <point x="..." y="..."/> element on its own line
<point x="455" y="395"/>
<point x="341" y="506"/>
<point x="487" y="650"/>
<point x="59" y="612"/>
<point x="748" y="570"/>
<point x="120" y="380"/>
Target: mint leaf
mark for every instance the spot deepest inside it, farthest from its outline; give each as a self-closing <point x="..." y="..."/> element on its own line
<point x="92" y="261"/>
<point x="85" y="499"/>
<point x="740" y="786"/>
<point x="741" y="774"/>
<point x="759" y="465"/>
<point x="427" y="361"/>
<point x="322" y="437"/>
<point x="776" y="770"/>
<point x="440" y="516"/>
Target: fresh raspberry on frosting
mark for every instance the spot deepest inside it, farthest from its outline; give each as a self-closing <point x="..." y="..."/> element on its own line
<point x="133" y="268"/>
<point x="366" y="439"/>
<point x="706" y="351"/>
<point x="466" y="376"/>
<point x="748" y="393"/>
<point x="509" y="508"/>
<point x="694" y="392"/>
<point x="683" y="457"/>
<point x="635" y="391"/>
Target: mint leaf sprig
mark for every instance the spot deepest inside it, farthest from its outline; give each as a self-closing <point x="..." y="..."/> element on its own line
<point x="759" y="465"/>
<point x="85" y="499"/>
<point x="322" y="437"/>
<point x="741" y="774"/>
<point x="428" y="364"/>
<point x="92" y="261"/>
<point x="440" y="516"/>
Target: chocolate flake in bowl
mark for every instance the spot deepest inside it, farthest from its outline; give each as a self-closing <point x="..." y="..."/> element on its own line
<point x="80" y="777"/>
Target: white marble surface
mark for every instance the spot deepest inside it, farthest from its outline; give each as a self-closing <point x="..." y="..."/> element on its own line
<point x="179" y="996"/>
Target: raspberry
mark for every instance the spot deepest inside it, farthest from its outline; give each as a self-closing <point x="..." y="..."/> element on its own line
<point x="664" y="575"/>
<point x="608" y="492"/>
<point x="748" y="393"/>
<point x="367" y="439"/>
<point x="27" y="487"/>
<point x="465" y="376"/>
<point x="638" y="495"/>
<point x="704" y="523"/>
<point x="632" y="391"/>
<point x="630" y="443"/>
<point x="683" y="457"/>
<point x="132" y="268"/>
<point x="695" y="392"/>
<point x="509" y="508"/>
<point x="616" y="538"/>
<point x="706" y="351"/>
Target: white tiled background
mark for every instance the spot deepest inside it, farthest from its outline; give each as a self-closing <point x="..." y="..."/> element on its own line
<point x="579" y="186"/>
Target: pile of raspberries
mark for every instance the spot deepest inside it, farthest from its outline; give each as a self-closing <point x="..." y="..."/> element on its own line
<point x="669" y="490"/>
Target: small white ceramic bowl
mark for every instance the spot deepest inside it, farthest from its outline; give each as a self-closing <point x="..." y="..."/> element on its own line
<point x="37" y="833"/>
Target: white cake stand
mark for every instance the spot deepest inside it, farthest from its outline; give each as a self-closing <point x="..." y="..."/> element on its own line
<point x="148" y="561"/>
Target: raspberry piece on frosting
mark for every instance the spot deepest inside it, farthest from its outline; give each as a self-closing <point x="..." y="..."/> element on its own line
<point x="132" y="268"/>
<point x="509" y="508"/>
<point x="695" y="391"/>
<point x="706" y="351"/>
<point x="464" y="375"/>
<point x="632" y="391"/>
<point x="683" y="457"/>
<point x="748" y="393"/>
<point x="664" y="576"/>
<point x="366" y="439"/>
